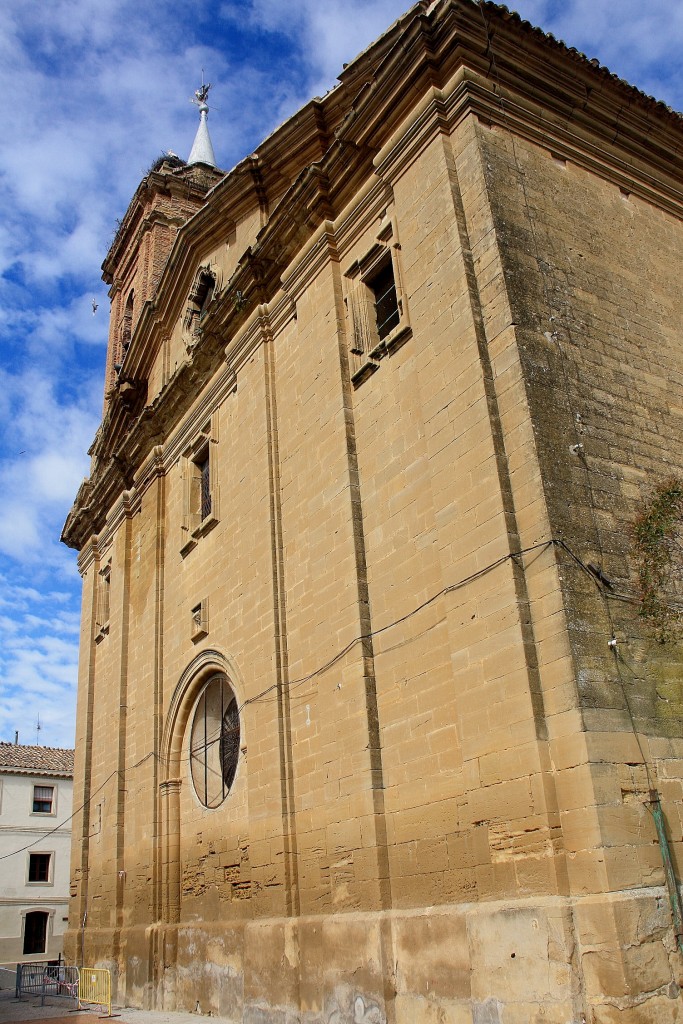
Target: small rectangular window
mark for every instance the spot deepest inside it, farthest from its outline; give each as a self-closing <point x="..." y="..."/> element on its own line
<point x="43" y="799"/>
<point x="200" y="487"/>
<point x="200" y="503"/>
<point x="39" y="867"/>
<point x="199" y="621"/>
<point x="377" y="313"/>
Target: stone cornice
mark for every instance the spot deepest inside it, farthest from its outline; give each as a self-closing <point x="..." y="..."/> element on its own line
<point x="153" y="468"/>
<point x="223" y="384"/>
<point x="574" y="63"/>
<point x="368" y="203"/>
<point x="457" y="64"/>
<point x="310" y="260"/>
<point x="88" y="555"/>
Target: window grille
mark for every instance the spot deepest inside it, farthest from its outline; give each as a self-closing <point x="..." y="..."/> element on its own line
<point x="215" y="742"/>
<point x="205" y="487"/>
<point x="230" y="743"/>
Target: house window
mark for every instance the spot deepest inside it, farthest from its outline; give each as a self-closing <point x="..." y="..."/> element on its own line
<point x="378" y="318"/>
<point x="214" y="742"/>
<point x="35" y="931"/>
<point x="39" y="867"/>
<point x="200" y="487"/>
<point x="43" y="799"/>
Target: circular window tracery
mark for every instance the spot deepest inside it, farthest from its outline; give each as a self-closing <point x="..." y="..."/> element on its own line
<point x="214" y="741"/>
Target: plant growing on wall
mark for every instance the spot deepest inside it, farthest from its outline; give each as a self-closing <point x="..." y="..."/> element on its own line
<point x="659" y="557"/>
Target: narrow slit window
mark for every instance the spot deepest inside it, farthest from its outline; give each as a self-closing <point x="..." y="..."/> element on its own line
<point x="103" y="599"/>
<point x="127" y="323"/>
<point x="205" y="486"/>
<point x="200" y="487"/>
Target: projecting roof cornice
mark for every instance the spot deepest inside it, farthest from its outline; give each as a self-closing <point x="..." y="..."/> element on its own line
<point x="439" y="64"/>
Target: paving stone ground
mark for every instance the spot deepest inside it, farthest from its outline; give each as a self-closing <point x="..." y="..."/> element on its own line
<point x="57" y="1011"/>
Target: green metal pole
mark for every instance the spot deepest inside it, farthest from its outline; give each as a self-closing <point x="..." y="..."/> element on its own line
<point x="671" y="884"/>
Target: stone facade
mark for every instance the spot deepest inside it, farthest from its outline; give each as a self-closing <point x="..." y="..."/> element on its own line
<point x="377" y="539"/>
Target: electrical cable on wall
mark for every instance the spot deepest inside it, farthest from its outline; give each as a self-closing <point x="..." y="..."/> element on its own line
<point x="322" y="669"/>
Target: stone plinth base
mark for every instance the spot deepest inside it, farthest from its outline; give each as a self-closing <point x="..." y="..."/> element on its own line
<point x="595" y="959"/>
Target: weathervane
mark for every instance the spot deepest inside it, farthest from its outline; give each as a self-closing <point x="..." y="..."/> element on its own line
<point x="200" y="95"/>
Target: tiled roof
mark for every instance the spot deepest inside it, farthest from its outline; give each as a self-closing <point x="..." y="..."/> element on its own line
<point x="27" y="760"/>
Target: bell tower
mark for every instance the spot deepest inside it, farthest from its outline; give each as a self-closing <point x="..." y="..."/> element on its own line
<point x="169" y="194"/>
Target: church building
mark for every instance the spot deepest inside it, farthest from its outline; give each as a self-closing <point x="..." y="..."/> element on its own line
<point x="380" y="712"/>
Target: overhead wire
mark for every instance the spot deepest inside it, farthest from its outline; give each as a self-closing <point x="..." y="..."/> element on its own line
<point x="320" y="670"/>
<point x="86" y="803"/>
<point x="325" y="667"/>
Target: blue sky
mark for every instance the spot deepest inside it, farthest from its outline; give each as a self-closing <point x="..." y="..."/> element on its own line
<point x="93" y="91"/>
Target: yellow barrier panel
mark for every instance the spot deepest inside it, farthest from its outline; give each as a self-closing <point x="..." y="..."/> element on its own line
<point x="94" y="986"/>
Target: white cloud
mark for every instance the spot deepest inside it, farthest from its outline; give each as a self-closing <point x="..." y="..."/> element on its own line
<point x="641" y="43"/>
<point x="38" y="663"/>
<point x="41" y="472"/>
<point x="93" y="92"/>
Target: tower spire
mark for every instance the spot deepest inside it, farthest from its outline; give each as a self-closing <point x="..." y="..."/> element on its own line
<point x="202" y="150"/>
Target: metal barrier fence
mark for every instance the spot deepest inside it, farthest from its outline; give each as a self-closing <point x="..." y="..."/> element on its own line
<point x="40" y="979"/>
<point x="95" y="987"/>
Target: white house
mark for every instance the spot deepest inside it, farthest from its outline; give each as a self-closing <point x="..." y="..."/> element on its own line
<point x="36" y="790"/>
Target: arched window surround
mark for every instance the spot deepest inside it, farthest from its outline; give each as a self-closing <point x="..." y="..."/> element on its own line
<point x="207" y="663"/>
<point x="174" y="759"/>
